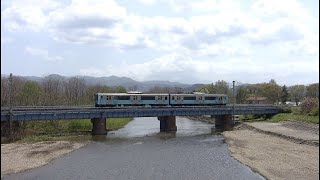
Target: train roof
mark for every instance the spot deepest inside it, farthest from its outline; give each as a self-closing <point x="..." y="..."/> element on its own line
<point x="126" y="94"/>
<point x="199" y="94"/>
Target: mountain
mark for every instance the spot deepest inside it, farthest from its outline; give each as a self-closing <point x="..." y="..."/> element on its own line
<point x="193" y="87"/>
<point x="128" y="83"/>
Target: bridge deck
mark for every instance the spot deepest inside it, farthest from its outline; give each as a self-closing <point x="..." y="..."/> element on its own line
<point x="86" y="112"/>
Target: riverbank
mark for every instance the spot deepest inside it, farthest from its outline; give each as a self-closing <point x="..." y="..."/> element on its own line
<point x="60" y="130"/>
<point x="16" y="157"/>
<point x="35" y="150"/>
<point x="277" y="155"/>
<point x="276" y="149"/>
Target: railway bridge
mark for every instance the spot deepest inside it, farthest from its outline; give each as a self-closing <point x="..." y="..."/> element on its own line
<point x="166" y="115"/>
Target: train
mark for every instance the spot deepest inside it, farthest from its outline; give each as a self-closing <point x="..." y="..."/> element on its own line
<point x="139" y="99"/>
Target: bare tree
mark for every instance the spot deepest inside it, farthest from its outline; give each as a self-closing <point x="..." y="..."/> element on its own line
<point x="75" y="89"/>
<point x="52" y="88"/>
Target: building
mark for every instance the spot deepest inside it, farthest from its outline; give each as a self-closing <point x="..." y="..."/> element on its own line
<point x="258" y="100"/>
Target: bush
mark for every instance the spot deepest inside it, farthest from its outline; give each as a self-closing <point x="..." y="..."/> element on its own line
<point x="286" y="110"/>
<point x="296" y="110"/>
<point x="314" y="112"/>
<point x="310" y="106"/>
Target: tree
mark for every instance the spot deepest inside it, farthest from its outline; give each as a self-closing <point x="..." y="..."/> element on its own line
<point x="297" y="93"/>
<point x="313" y="90"/>
<point x="52" y="91"/>
<point x="208" y="89"/>
<point x="272" y="91"/>
<point x="241" y="94"/>
<point x="310" y="106"/>
<point x="75" y="89"/>
<point x="221" y="87"/>
<point x="4" y="91"/>
<point x="284" y="94"/>
<point x="30" y="94"/>
<point x="120" y="89"/>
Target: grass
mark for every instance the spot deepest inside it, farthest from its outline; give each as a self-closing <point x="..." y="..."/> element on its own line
<point x="117" y="123"/>
<point x="65" y="129"/>
<point x="294" y="117"/>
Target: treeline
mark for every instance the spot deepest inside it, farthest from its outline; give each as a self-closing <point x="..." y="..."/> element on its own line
<point x="275" y="93"/>
<point x="51" y="91"/>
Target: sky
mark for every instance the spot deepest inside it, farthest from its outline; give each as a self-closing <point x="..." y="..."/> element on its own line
<point x="187" y="41"/>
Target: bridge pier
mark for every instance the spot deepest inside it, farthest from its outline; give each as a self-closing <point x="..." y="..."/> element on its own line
<point x="224" y="122"/>
<point x="167" y="123"/>
<point x="99" y="126"/>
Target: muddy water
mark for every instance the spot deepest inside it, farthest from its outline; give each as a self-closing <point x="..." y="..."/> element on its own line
<point x="140" y="151"/>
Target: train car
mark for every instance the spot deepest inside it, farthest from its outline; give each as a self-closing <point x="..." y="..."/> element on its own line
<point x="198" y="99"/>
<point x="132" y="99"/>
<point x="125" y="99"/>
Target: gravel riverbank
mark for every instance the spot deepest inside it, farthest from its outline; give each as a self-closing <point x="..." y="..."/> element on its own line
<point x="284" y="150"/>
<point x="273" y="157"/>
<point x="16" y="157"/>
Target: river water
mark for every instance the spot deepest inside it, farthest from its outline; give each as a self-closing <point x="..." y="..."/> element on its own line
<point x="139" y="151"/>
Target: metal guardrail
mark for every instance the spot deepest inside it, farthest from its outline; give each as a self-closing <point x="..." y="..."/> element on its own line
<point x="64" y="112"/>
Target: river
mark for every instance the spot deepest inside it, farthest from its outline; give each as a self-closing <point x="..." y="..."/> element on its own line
<point x="140" y="151"/>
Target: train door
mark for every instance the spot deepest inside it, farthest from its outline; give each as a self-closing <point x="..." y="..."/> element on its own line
<point x="109" y="99"/>
<point x="179" y="99"/>
<point x="135" y="99"/>
<point x="200" y="99"/>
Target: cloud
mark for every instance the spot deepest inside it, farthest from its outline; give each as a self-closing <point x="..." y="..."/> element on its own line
<point x="176" y="67"/>
<point x="43" y="54"/>
<point x="201" y="40"/>
<point x="147" y="2"/>
<point x="6" y="40"/>
<point x="27" y="15"/>
<point x="109" y="24"/>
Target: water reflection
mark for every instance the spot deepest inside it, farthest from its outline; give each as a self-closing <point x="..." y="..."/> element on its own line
<point x="141" y="127"/>
<point x="150" y="127"/>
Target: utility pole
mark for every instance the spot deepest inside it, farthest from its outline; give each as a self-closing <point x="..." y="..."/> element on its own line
<point x="234" y="101"/>
<point x="10" y="104"/>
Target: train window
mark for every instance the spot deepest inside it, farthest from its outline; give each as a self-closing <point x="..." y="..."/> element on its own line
<point x="166" y="98"/>
<point x="189" y="98"/>
<point x="210" y="98"/>
<point x="101" y="97"/>
<point x="172" y="98"/>
<point x="200" y="98"/>
<point x="147" y="98"/>
<point x="123" y="97"/>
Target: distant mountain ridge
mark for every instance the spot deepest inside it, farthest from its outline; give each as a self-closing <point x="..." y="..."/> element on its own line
<point x="128" y="83"/>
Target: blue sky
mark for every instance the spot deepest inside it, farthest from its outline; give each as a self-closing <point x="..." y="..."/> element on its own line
<point x="198" y="41"/>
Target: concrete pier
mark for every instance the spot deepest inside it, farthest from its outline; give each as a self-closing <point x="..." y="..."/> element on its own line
<point x="224" y="122"/>
<point x="98" y="126"/>
<point x="167" y="123"/>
